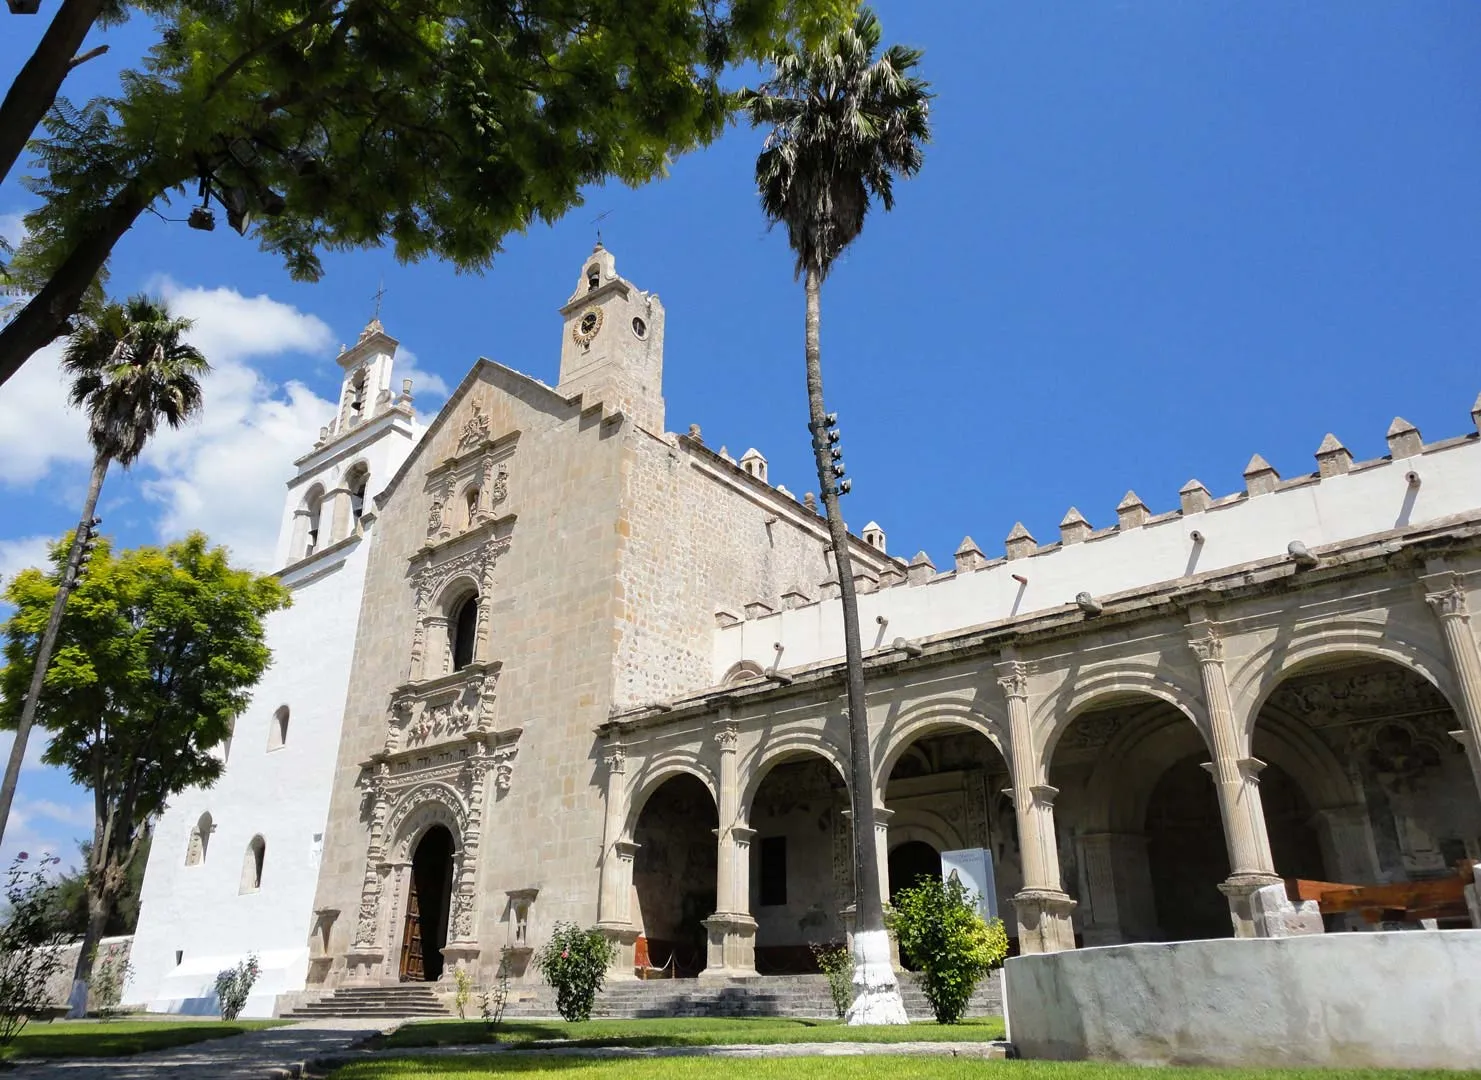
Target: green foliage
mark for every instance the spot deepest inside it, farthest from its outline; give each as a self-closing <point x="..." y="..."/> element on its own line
<point x="835" y="962"/>
<point x="158" y="653"/>
<point x="234" y="985"/>
<point x="438" y="127"/>
<point x="494" y="999"/>
<point x="575" y="962"/>
<point x="110" y="974"/>
<point x="30" y="947"/>
<point x="85" y="1039"/>
<point x="130" y="369"/>
<point x="69" y="898"/>
<point x="843" y="125"/>
<point x="464" y="983"/>
<point x="940" y="931"/>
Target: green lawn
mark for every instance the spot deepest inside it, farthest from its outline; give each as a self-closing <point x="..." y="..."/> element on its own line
<point x="112" y="1038"/>
<point x="833" y="1068"/>
<point x="683" y="1032"/>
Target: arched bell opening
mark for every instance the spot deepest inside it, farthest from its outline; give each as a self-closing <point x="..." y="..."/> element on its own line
<point x="674" y="873"/>
<point x="428" y="903"/>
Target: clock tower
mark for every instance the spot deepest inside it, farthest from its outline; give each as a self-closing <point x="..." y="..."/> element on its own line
<point x="612" y="343"/>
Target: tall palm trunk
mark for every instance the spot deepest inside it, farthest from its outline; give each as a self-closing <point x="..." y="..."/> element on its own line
<point x="877" y="997"/>
<point x="48" y="643"/>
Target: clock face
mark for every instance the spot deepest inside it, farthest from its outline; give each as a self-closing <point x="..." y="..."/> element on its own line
<point x="588" y="326"/>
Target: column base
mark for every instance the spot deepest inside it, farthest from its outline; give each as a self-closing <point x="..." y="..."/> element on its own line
<point x="461" y="954"/>
<point x="731" y="949"/>
<point x="1238" y="889"/>
<point x="1044" y="924"/>
<point x="624" y="936"/>
<point x="363" y="967"/>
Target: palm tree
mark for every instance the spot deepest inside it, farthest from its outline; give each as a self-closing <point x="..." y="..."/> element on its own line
<point x="130" y="368"/>
<point x="843" y="125"/>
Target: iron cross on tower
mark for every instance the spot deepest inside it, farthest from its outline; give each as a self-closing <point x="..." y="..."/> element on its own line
<point x="597" y="221"/>
<point x="380" y="294"/>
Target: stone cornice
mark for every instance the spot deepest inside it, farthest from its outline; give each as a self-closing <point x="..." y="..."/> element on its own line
<point x="1344" y="561"/>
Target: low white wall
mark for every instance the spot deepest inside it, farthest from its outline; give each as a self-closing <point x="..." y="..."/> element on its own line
<point x="1407" y="999"/>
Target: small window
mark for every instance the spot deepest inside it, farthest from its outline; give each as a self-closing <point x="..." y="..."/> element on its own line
<point x="640" y="328"/>
<point x="252" y="865"/>
<point x="277" y="735"/>
<point x="464" y="630"/>
<point x="179" y="957"/>
<point x="773" y="871"/>
<point x="200" y="838"/>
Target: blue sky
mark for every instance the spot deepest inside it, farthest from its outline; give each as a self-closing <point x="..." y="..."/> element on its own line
<point x="1150" y="240"/>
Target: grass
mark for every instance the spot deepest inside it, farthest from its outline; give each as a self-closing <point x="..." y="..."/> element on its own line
<point x="114" y="1038"/>
<point x="833" y="1068"/>
<point x="681" y="1032"/>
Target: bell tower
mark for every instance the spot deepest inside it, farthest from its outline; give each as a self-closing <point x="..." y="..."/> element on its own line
<point x="612" y="343"/>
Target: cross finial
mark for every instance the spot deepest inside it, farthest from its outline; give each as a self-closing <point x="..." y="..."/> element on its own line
<point x="380" y="294"/>
<point x="597" y="221"/>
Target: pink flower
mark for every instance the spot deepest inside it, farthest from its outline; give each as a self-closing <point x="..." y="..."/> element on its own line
<point x="565" y="953"/>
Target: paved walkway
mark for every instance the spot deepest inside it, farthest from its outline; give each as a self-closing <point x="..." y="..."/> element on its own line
<point x="253" y="1055"/>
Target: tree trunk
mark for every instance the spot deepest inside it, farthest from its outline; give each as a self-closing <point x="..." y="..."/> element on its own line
<point x="48" y="643"/>
<point x="36" y="86"/>
<point x="877" y="997"/>
<point x="45" y="317"/>
<point x="99" y="907"/>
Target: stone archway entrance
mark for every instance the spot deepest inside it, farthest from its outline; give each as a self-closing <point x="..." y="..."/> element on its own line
<point x="1186" y="854"/>
<point x="911" y="861"/>
<point x="428" y="902"/>
<point x="674" y="872"/>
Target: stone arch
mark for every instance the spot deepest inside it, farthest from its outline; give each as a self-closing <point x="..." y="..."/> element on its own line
<point x="922" y="826"/>
<point x="927" y="718"/>
<point x="1253" y="680"/>
<point x="743" y="671"/>
<point x="1103" y="689"/>
<point x="419" y="810"/>
<point x="782" y="750"/>
<point x="357" y="483"/>
<point x="653" y="776"/>
<point x="1150" y="743"/>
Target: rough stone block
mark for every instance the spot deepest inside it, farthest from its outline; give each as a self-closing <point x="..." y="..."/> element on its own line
<point x="1276" y="916"/>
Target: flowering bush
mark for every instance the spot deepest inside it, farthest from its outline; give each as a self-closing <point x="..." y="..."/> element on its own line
<point x="835" y="962"/>
<point x="575" y="962"/>
<point x="939" y="929"/>
<point x="111" y="970"/>
<point x="234" y="984"/>
<point x="30" y="949"/>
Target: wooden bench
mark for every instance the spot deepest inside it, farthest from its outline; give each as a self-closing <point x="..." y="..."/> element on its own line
<point x="1405" y="901"/>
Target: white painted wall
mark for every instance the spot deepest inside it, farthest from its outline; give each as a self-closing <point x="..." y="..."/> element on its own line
<point x="1374" y="498"/>
<point x="282" y="794"/>
<point x="1406" y="999"/>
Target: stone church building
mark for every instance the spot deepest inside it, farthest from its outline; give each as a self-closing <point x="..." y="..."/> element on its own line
<point x="549" y="662"/>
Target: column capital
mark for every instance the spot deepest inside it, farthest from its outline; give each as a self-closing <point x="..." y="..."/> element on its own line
<point x="727" y="732"/>
<point x="1044" y="794"/>
<point x="616" y="758"/>
<point x="1206" y="643"/>
<point x="1013" y="678"/>
<point x="1449" y="601"/>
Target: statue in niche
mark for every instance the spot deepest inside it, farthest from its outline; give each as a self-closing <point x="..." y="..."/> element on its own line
<point x="434" y="519"/>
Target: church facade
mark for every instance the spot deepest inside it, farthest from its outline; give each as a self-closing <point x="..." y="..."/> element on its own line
<point x="548" y="662"/>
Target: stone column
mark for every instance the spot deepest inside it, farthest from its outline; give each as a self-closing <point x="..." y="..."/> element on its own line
<point x="614" y="895"/>
<point x="300" y="539"/>
<point x="1042" y="904"/>
<point x="336" y="517"/>
<point x="462" y="949"/>
<point x="731" y="949"/>
<point x="367" y="951"/>
<point x="437" y="647"/>
<point x="1236" y="781"/>
<point x="1449" y="603"/>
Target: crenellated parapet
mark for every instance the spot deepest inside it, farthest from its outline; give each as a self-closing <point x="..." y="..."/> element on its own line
<point x="1271" y="518"/>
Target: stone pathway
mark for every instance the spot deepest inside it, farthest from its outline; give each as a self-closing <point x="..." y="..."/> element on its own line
<point x="253" y="1055"/>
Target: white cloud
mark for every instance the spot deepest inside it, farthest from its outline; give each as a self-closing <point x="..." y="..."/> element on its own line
<point x="20" y="553"/>
<point x="425" y="384"/>
<point x="230" y="327"/>
<point x="38" y="826"/>
<point x="36" y="744"/>
<point x="38" y="429"/>
<point x="12" y="228"/>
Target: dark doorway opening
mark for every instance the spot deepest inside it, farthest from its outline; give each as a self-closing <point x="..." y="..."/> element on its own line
<point x="1187" y="854"/>
<point x="427" y="905"/>
<point x="911" y="861"/>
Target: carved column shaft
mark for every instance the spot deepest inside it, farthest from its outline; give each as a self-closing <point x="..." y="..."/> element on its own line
<point x="611" y="898"/>
<point x="1236" y="777"/>
<point x="729" y="800"/>
<point x="1450" y="606"/>
<point x="436" y="647"/>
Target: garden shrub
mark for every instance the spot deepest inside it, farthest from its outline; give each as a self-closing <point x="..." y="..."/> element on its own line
<point x="234" y="984"/>
<point x="30" y="948"/>
<point x="835" y="962"/>
<point x="464" y="982"/>
<point x="940" y="931"/>
<point x="110" y="975"/>
<point x="494" y="998"/>
<point x="575" y="962"/>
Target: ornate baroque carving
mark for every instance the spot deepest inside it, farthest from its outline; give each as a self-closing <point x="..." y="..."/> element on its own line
<point x="1208" y="647"/>
<point x="1014" y="679"/>
<point x="1450" y="602"/>
<point x="475" y="431"/>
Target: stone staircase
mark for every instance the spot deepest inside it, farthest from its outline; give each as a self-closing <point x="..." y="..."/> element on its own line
<point x="802" y="996"/>
<point x="417" y="1000"/>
